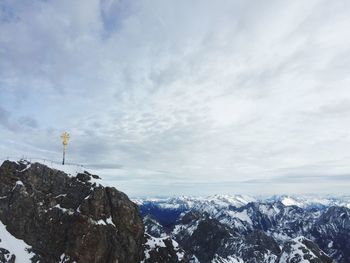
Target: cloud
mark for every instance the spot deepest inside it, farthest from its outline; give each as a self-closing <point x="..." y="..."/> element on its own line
<point x="5" y="119"/>
<point x="8" y="122"/>
<point x="208" y="92"/>
<point x="28" y="121"/>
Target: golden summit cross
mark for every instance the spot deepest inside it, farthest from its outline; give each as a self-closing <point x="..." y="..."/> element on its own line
<point x="65" y="137"/>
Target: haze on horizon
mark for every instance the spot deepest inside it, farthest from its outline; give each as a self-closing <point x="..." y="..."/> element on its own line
<point x="182" y="97"/>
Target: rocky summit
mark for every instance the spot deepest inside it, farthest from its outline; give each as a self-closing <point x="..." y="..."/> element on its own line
<point x="49" y="216"/>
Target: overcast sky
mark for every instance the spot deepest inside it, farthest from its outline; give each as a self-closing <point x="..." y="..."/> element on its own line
<point x="182" y="97"/>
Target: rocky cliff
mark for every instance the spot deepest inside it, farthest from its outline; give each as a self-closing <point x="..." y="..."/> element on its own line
<point x="61" y="218"/>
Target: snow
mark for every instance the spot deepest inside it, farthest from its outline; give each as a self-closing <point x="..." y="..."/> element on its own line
<point x="243" y="216"/>
<point x="281" y="237"/>
<point x="194" y="259"/>
<point x="109" y="221"/>
<point x="69" y="169"/>
<point x="211" y="204"/>
<point x="154" y="242"/>
<point x="60" y="195"/>
<point x="190" y="228"/>
<point x="297" y="251"/>
<point x="15" y="246"/>
<point x="64" y="210"/>
<point x="19" y="183"/>
<point x="269" y="210"/>
<point x="180" y="255"/>
<point x="151" y="244"/>
<point x="288" y="201"/>
<point x="101" y="222"/>
<point x="229" y="259"/>
<point x="215" y="203"/>
<point x="310" y="200"/>
<point x="26" y="168"/>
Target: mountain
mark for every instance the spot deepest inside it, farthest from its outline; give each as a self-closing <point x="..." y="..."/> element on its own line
<point x="301" y="249"/>
<point x="278" y="229"/>
<point x="48" y="216"/>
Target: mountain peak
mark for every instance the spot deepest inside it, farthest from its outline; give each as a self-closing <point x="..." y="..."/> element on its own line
<point x="66" y="218"/>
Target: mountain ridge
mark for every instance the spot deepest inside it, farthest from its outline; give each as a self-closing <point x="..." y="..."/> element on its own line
<point x="319" y="228"/>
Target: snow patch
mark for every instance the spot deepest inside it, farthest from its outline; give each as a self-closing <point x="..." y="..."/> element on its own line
<point x="15" y="246"/>
<point x="64" y="210"/>
<point x="288" y="201"/>
<point x="110" y="222"/>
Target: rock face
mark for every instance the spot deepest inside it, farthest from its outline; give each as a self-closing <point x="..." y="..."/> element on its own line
<point x="67" y="219"/>
<point x="332" y="233"/>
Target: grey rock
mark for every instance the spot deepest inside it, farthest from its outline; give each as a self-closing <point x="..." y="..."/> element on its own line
<point x="57" y="214"/>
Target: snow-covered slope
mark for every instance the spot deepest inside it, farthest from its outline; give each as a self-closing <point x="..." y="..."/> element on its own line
<point x="14" y="246"/>
<point x="310" y="201"/>
<point x="70" y="169"/>
<point x="210" y="204"/>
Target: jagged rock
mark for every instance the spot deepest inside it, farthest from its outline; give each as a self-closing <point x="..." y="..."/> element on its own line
<point x="332" y="233"/>
<point x="67" y="219"/>
<point x="6" y="256"/>
<point x="211" y="241"/>
<point x="153" y="228"/>
<point x="163" y="250"/>
<point x="201" y="235"/>
<point x="302" y="250"/>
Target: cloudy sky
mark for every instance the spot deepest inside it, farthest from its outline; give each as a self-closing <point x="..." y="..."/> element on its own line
<point x="182" y="97"/>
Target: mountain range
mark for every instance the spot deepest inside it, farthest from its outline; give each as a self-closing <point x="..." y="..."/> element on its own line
<point x="53" y="213"/>
<point x="237" y="228"/>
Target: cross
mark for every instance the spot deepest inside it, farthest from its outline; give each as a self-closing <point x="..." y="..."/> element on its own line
<point x="65" y="137"/>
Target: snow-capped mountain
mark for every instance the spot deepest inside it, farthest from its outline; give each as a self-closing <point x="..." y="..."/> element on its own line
<point x="48" y="215"/>
<point x="246" y="229"/>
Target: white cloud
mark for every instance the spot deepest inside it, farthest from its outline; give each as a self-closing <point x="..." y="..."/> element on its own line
<point x="207" y="92"/>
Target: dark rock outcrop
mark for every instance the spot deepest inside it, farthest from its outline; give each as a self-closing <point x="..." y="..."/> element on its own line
<point x="67" y="219"/>
<point x="6" y="256"/>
